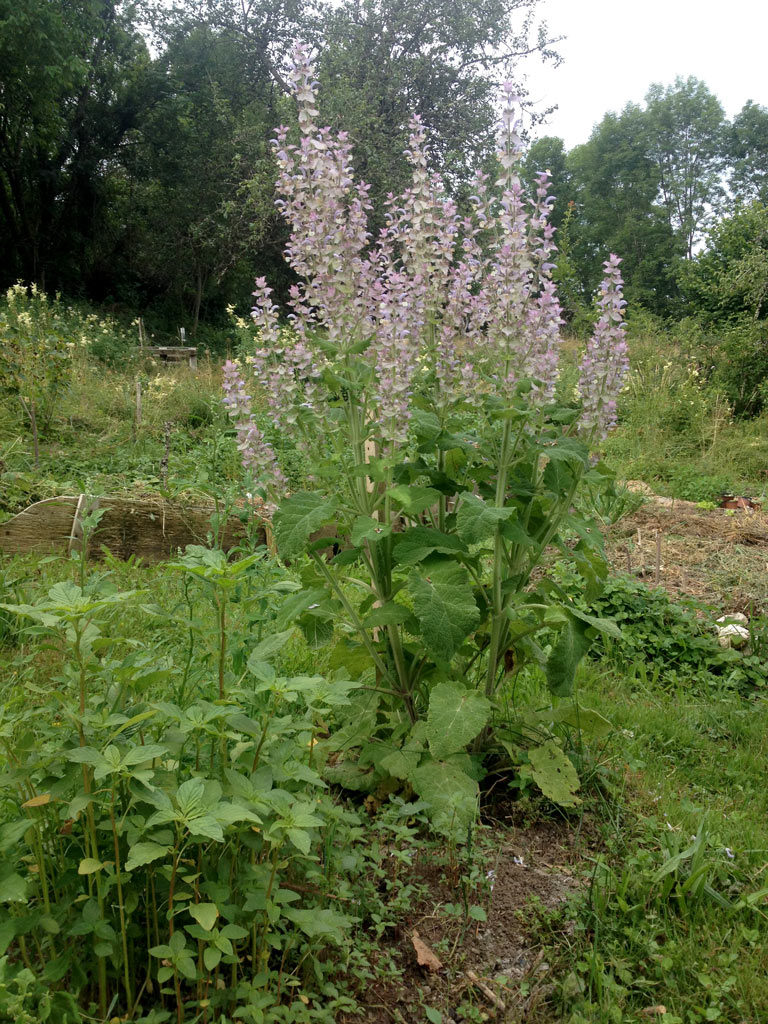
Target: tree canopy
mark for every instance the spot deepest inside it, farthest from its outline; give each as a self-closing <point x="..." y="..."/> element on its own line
<point x="136" y="165"/>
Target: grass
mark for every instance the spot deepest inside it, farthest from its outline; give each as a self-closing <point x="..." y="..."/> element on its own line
<point x="682" y="766"/>
<point x="679" y="435"/>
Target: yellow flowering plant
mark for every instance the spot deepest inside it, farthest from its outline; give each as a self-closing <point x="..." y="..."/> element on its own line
<point x="36" y="347"/>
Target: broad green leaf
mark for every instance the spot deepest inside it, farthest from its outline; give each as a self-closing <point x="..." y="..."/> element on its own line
<point x="88" y="866"/>
<point x="426" y="425"/>
<point x="454" y="718"/>
<point x="7" y="934"/>
<point x="586" y="720"/>
<point x="351" y="776"/>
<point x="366" y="528"/>
<point x="476" y="521"/>
<point x="317" y="629"/>
<point x="206" y="826"/>
<point x="206" y="914"/>
<point x="298" y="603"/>
<point x="607" y="626"/>
<point x="12" y="832"/>
<point x="85" y="755"/>
<point x="567" y="449"/>
<point x="13" y="889"/>
<point x="189" y="795"/>
<point x="270" y="645"/>
<point x="316" y="922"/>
<point x="144" y="853"/>
<point x="389" y="614"/>
<point x="452" y="797"/>
<point x="139" y="754"/>
<point x="444" y="606"/>
<point x="297" y="518"/>
<point x="413" y="499"/>
<point x="186" y="966"/>
<point x="211" y="958"/>
<point x="418" y="542"/>
<point x="400" y="763"/>
<point x="554" y="774"/>
<point x="570" y="648"/>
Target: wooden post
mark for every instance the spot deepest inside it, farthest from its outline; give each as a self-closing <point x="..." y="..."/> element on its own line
<point x="658" y="557"/>
<point x="164" y="462"/>
<point x="138" y="403"/>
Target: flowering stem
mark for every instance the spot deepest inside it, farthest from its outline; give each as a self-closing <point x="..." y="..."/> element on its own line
<point x="497" y="603"/>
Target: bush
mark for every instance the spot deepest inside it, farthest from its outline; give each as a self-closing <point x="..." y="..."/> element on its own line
<point x="672" y="641"/>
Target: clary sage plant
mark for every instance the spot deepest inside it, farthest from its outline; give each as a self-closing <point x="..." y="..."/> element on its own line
<point x="418" y="375"/>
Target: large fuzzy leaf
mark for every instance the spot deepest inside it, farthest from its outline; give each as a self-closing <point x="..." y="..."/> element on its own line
<point x="454" y="718"/>
<point x="297" y="518"/>
<point x="419" y="542"/>
<point x="451" y="795"/>
<point x="570" y="648"/>
<point x="444" y="606"/>
<point x="476" y="521"/>
<point x="554" y="774"/>
<point x="414" y="499"/>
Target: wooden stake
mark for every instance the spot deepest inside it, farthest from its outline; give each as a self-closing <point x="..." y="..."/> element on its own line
<point x="166" y="454"/>
<point x="658" y="557"/>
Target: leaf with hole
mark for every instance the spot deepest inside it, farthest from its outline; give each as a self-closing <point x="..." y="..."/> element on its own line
<point x="553" y="772"/>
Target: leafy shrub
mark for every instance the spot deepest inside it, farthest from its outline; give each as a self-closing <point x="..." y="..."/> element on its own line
<point x="667" y="639"/>
<point x="165" y="827"/>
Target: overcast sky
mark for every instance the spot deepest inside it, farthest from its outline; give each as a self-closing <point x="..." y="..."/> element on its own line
<point x="616" y="48"/>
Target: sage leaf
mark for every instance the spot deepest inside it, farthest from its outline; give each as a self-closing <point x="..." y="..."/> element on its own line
<point x="554" y="774"/>
<point x="297" y="518"/>
<point x="454" y="718"/>
<point x="444" y="606"/>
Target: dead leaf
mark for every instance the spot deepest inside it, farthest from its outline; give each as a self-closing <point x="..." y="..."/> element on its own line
<point x="424" y="955"/>
<point x="38" y="801"/>
<point x="654" y="1011"/>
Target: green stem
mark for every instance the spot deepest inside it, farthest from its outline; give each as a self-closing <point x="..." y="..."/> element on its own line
<point x="497" y="595"/>
<point x="353" y="616"/>
<point x="121" y="907"/>
<point x="222" y="642"/>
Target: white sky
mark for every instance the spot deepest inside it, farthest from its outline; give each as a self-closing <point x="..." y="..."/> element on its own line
<point x="616" y="48"/>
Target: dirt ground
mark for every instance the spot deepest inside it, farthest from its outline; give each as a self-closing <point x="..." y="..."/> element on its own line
<point x="719" y="556"/>
<point x="496" y="966"/>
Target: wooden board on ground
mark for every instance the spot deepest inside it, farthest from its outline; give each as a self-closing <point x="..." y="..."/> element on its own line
<point x="149" y="528"/>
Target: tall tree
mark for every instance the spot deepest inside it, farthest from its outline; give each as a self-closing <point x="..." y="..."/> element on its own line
<point x="748" y="154"/>
<point x="73" y="86"/>
<point x="686" y="141"/>
<point x="615" y="183"/>
<point x="728" y="281"/>
<point x="384" y="60"/>
<point x="201" y="179"/>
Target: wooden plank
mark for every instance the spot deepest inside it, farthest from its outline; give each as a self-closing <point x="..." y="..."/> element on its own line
<point x="148" y="528"/>
<point x="44" y="526"/>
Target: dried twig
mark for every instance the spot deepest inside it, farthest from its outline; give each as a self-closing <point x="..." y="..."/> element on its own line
<point x="487" y="991"/>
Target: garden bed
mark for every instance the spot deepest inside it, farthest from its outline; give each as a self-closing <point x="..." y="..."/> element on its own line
<point x="715" y="555"/>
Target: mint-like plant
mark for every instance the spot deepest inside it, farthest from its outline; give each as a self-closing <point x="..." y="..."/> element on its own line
<point x="418" y="375"/>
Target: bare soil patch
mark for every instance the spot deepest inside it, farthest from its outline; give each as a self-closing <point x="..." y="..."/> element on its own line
<point x="719" y="556"/>
<point x="528" y="870"/>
